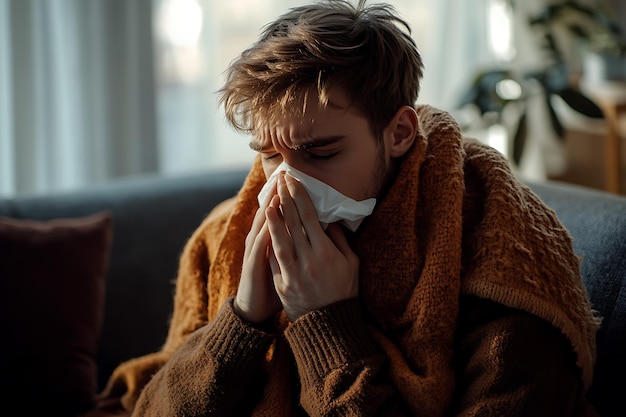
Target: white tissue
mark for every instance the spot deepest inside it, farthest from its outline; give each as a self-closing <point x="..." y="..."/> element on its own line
<point x="330" y="204"/>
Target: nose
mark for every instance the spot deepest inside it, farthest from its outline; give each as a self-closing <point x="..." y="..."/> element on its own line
<point x="290" y="157"/>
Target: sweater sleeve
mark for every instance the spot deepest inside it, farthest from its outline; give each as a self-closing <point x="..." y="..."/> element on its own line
<point x="212" y="374"/>
<point x="341" y="370"/>
<point x="512" y="363"/>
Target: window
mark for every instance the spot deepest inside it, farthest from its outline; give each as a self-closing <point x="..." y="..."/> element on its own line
<point x="197" y="39"/>
<point x="100" y="90"/>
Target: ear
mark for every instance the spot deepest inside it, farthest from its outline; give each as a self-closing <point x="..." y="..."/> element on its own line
<point x="401" y="131"/>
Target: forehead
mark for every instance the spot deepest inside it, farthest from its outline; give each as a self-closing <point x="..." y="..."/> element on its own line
<point x="311" y="119"/>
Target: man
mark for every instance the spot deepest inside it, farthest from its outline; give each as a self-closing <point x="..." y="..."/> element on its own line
<point x="458" y="295"/>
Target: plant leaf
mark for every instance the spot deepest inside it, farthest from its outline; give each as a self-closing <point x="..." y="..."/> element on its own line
<point x="556" y="123"/>
<point x="580" y="103"/>
<point x="519" y="139"/>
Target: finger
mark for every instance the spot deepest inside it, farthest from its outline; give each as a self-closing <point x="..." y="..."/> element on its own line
<point x="257" y="223"/>
<point x="258" y="248"/>
<point x="268" y="197"/>
<point x="259" y="217"/>
<point x="253" y="235"/>
<point x="274" y="266"/>
<point x="281" y="243"/>
<point x="292" y="217"/>
<point x="337" y="235"/>
<point x="306" y="211"/>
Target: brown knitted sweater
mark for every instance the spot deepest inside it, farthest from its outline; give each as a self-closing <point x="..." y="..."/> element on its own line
<point x="454" y="224"/>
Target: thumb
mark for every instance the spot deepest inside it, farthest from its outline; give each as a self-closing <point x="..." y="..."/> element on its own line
<point x="337" y="235"/>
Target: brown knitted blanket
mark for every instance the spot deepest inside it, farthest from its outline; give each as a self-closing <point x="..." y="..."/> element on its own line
<point x="456" y="221"/>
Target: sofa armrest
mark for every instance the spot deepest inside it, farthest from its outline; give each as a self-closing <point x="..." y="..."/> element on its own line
<point x="597" y="222"/>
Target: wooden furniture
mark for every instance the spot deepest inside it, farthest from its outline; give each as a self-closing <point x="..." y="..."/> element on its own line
<point x="611" y="97"/>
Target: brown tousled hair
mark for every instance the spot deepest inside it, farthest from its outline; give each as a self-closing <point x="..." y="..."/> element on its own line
<point x="366" y="51"/>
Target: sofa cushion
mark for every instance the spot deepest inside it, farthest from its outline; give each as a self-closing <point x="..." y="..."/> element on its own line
<point x="52" y="295"/>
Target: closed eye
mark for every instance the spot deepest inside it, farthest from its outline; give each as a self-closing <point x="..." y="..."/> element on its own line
<point x="267" y="158"/>
<point x="320" y="152"/>
<point x="321" y="156"/>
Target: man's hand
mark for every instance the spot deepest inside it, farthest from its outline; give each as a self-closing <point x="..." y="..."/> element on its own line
<point x="311" y="268"/>
<point x="256" y="299"/>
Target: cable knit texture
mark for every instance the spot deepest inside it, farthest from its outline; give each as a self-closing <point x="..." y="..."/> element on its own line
<point x="455" y="221"/>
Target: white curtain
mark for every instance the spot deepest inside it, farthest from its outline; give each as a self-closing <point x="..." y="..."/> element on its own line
<point x="454" y="47"/>
<point x="77" y="93"/>
<point x="90" y="90"/>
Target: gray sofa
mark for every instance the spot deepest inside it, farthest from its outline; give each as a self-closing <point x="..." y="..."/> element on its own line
<point x="153" y="217"/>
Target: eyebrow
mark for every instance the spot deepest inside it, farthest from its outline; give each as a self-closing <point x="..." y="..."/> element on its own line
<point x="255" y="146"/>
<point x="307" y="144"/>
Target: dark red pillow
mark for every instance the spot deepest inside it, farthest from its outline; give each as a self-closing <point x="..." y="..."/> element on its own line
<point x="52" y="298"/>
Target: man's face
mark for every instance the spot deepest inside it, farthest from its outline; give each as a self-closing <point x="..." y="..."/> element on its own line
<point x="333" y="144"/>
